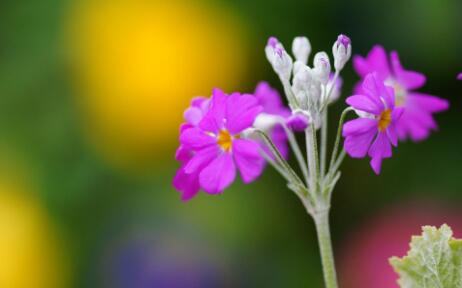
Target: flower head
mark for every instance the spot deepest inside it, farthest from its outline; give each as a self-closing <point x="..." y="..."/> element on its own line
<point x="374" y="132"/>
<point x="212" y="147"/>
<point x="459" y="76"/>
<point x="417" y="121"/>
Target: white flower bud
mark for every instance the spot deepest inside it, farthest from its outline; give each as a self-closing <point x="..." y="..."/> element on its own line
<point x="301" y="48"/>
<point x="341" y="51"/>
<point x="306" y="88"/>
<point x="266" y="122"/>
<point x="297" y="66"/>
<point x="278" y="58"/>
<point x="321" y="67"/>
<point x="302" y="79"/>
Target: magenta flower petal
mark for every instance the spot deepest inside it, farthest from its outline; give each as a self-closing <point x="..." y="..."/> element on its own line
<point x="279" y="137"/>
<point x="428" y="103"/>
<point x="409" y="79"/>
<point x="193" y="115"/>
<point x="376" y="164"/>
<point x="415" y="124"/>
<point x="213" y="120"/>
<point x="201" y="159"/>
<point x="381" y="146"/>
<point x="375" y="89"/>
<point x="241" y="111"/>
<point x="185" y="126"/>
<point x="200" y="102"/>
<point x="270" y="99"/>
<point x="183" y="154"/>
<point x="364" y="103"/>
<point x="187" y="184"/>
<point x="298" y="122"/>
<point x="459" y="76"/>
<point x="359" y="126"/>
<point x="218" y="175"/>
<point x="357" y="145"/>
<point x="196" y="138"/>
<point x="248" y="159"/>
<point x="376" y="61"/>
<point x="392" y="134"/>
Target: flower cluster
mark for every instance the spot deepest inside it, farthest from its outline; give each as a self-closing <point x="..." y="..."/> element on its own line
<point x="219" y="136"/>
<point x="308" y="89"/>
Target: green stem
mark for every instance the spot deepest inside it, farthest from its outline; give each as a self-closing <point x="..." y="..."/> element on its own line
<point x="337" y="139"/>
<point x="294" y="179"/>
<point x="311" y="151"/>
<point x="321" y="220"/>
<point x="297" y="151"/>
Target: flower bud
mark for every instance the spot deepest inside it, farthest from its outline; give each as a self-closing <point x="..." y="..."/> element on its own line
<point x="266" y="122"/>
<point x="321" y="67"/>
<point x="301" y="48"/>
<point x="298" y="121"/>
<point x="341" y="51"/>
<point x="278" y="58"/>
<point x="302" y="79"/>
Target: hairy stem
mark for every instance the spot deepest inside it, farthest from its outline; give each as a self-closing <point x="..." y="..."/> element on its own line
<point x="323" y="142"/>
<point x="298" y="153"/>
<point x="321" y="220"/>
<point x="311" y="151"/>
<point x="294" y="179"/>
<point x="337" y="139"/>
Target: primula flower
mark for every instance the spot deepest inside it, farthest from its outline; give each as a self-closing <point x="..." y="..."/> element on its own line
<point x="212" y="148"/>
<point x="375" y="131"/>
<point x="417" y="121"/>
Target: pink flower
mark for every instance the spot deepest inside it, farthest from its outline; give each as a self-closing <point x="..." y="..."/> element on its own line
<point x="212" y="146"/>
<point x="459" y="76"/>
<point x="375" y="131"/>
<point x="417" y="121"/>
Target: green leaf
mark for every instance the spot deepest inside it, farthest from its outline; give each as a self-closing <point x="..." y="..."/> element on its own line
<point x="434" y="261"/>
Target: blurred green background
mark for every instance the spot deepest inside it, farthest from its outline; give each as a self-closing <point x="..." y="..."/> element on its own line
<point x="91" y="96"/>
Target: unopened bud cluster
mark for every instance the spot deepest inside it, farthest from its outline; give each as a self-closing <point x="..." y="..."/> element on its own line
<point x="309" y="89"/>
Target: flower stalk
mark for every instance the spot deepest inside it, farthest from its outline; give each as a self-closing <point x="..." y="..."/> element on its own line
<point x="321" y="220"/>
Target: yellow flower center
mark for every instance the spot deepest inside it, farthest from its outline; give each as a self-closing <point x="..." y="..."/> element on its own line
<point x="225" y="140"/>
<point x="384" y="120"/>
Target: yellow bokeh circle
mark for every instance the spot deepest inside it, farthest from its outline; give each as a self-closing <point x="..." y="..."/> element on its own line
<point x="29" y="250"/>
<point x="138" y="63"/>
